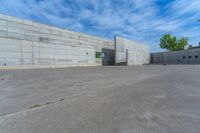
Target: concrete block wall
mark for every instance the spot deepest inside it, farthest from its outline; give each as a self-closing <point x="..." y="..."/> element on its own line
<point x="25" y="42"/>
<point x="157" y="58"/>
<point x="130" y="52"/>
<point x="190" y="56"/>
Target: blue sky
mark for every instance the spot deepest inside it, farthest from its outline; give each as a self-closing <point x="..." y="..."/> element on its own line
<point x="140" y="20"/>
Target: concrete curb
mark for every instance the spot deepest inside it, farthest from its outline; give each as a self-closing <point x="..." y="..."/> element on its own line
<point x="44" y="66"/>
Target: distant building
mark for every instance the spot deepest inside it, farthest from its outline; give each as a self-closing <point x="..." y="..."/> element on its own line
<point x="194" y="47"/>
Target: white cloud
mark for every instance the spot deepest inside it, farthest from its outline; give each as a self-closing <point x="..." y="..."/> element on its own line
<point x="141" y="20"/>
<point x="182" y="7"/>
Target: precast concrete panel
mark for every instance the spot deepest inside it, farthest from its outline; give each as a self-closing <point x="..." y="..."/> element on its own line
<point x="138" y="54"/>
<point x="194" y="56"/>
<point x="3" y="23"/>
<point x="134" y="58"/>
<point x="171" y="57"/>
<point x="182" y="57"/>
<point x="32" y="43"/>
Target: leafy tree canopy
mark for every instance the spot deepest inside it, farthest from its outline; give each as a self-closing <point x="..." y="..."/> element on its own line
<point x="171" y="43"/>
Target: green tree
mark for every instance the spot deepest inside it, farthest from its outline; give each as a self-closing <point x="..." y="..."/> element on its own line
<point x="182" y="43"/>
<point x="171" y="43"/>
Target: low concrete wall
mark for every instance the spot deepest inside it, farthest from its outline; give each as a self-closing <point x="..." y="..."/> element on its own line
<point x="43" y="66"/>
<point x="190" y="56"/>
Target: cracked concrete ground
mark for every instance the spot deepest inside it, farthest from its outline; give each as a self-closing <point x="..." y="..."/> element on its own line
<point x="140" y="99"/>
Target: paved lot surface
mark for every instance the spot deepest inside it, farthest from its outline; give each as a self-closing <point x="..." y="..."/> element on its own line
<point x="142" y="99"/>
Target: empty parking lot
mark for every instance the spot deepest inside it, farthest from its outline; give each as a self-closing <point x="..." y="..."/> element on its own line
<point x="116" y="99"/>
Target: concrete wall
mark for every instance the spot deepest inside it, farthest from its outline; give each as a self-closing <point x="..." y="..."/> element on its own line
<point x="25" y="42"/>
<point x="130" y="52"/>
<point x="191" y="56"/>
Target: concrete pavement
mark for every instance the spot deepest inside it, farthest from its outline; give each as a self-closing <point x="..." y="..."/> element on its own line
<point x="141" y="99"/>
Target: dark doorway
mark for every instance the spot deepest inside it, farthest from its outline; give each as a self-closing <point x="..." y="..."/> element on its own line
<point x="108" y="57"/>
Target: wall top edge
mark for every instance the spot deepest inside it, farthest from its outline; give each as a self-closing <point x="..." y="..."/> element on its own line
<point x="136" y="42"/>
<point x="185" y="50"/>
<point x="17" y="19"/>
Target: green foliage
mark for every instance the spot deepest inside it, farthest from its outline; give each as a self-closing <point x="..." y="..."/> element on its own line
<point x="168" y="42"/>
<point x="182" y="43"/>
<point x="171" y="43"/>
<point x="98" y="55"/>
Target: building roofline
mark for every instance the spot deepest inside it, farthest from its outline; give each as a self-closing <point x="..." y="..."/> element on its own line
<point x="51" y="25"/>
